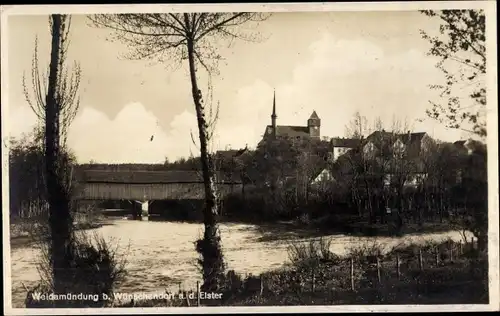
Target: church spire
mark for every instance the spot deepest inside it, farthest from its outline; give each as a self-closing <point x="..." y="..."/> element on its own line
<point x="274" y="116"/>
<point x="274" y="105"/>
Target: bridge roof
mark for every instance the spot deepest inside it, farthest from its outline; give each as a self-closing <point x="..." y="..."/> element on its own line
<point x="151" y="177"/>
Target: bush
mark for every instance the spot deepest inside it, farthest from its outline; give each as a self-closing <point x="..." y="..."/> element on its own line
<point x="367" y="252"/>
<point x="94" y="271"/>
<point x="311" y="253"/>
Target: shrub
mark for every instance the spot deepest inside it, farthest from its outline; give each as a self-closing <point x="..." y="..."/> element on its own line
<point x="367" y="252"/>
<point x="94" y="270"/>
<point x="310" y="254"/>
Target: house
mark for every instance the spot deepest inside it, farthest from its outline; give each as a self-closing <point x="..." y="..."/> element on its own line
<point x="323" y="176"/>
<point x="468" y="146"/>
<point x="382" y="143"/>
<point x="231" y="163"/>
<point x="398" y="155"/>
<point x="231" y="155"/>
<point x="472" y="162"/>
<point x="310" y="131"/>
<point x="340" y="146"/>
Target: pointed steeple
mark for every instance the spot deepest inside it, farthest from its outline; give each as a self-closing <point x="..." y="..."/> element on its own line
<point x="274" y="116"/>
<point x="274" y="106"/>
<point x="314" y="116"/>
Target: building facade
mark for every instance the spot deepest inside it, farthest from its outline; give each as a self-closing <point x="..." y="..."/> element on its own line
<point x="312" y="130"/>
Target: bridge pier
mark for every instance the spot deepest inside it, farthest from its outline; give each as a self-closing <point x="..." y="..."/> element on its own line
<point x="136" y="211"/>
<point x="140" y="210"/>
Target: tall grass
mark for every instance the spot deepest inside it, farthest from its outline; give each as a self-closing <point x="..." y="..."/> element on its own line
<point x="96" y="267"/>
<point x="310" y="253"/>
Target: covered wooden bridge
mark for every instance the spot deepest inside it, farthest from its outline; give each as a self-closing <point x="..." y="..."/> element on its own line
<point x="138" y="188"/>
<point x="149" y="185"/>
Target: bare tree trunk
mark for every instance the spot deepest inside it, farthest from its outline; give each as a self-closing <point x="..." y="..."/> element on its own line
<point x="60" y="217"/>
<point x="209" y="247"/>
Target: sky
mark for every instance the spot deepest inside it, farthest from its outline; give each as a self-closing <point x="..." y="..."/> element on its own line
<point x="334" y="63"/>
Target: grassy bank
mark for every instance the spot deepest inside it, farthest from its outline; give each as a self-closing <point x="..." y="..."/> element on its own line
<point x="430" y="273"/>
<point x="433" y="273"/>
<point x="21" y="230"/>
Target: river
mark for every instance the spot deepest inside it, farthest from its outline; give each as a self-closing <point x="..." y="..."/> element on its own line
<point x="161" y="254"/>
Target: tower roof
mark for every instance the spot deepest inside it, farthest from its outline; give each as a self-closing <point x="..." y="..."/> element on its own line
<point x="314" y="116"/>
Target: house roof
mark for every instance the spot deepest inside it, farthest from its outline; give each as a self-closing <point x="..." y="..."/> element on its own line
<point x="149" y="177"/>
<point x="290" y="131"/>
<point x="404" y="137"/>
<point x="460" y="143"/>
<point x="345" y="142"/>
<point x="319" y="171"/>
<point x="380" y="135"/>
<point x="229" y="154"/>
<point x="386" y="139"/>
<point x="411" y="138"/>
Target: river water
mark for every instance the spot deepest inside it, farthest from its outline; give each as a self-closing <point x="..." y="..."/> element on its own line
<point x="162" y="255"/>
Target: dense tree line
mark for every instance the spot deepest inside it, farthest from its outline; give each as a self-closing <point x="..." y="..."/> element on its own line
<point x="27" y="186"/>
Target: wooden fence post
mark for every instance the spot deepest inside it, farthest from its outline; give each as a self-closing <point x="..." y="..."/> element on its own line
<point x="420" y="260"/>
<point x="437" y="256"/>
<point x="187" y="299"/>
<point x="451" y="252"/>
<point x="460" y="249"/>
<point x="397" y="267"/>
<point x="198" y="292"/>
<point x="352" y="274"/>
<point x="378" y="271"/>
<point x="313" y="285"/>
<point x="261" y="285"/>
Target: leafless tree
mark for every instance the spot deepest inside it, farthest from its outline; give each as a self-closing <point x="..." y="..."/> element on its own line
<point x="55" y="102"/>
<point x="358" y="127"/>
<point x="66" y="91"/>
<point x="400" y="164"/>
<point x="170" y="37"/>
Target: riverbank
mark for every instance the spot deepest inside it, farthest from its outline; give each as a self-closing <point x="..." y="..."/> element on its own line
<point x="434" y="273"/>
<point x="161" y="255"/>
<point x="269" y="230"/>
<point x="326" y="225"/>
<point x="20" y="230"/>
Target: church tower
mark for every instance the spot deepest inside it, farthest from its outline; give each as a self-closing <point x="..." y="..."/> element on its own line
<point x="314" y="125"/>
<point x="274" y="116"/>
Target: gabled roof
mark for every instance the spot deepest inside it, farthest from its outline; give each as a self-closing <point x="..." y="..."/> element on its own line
<point x="230" y="154"/>
<point x="460" y="143"/>
<point x="380" y="136"/>
<point x="411" y="138"/>
<point x="319" y="171"/>
<point x="290" y="131"/>
<point x="388" y="138"/>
